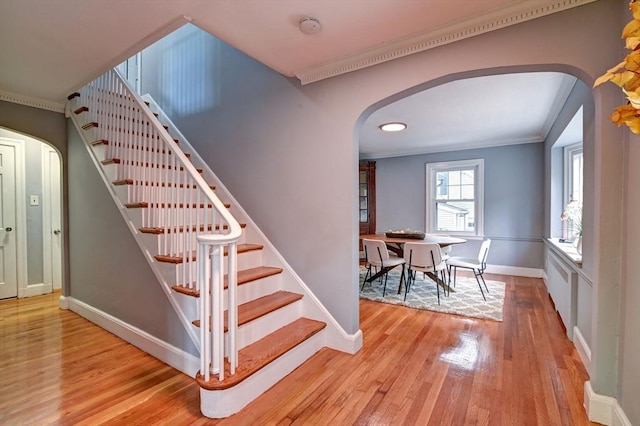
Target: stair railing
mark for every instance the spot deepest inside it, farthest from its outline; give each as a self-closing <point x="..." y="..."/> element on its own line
<point x="177" y="204"/>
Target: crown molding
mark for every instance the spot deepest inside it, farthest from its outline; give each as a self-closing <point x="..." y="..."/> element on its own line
<point x="439" y="37"/>
<point x="448" y="148"/>
<point x="566" y="86"/>
<point x="31" y="102"/>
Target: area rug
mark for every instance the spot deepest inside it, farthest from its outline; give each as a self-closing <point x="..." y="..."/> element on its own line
<point x="465" y="299"/>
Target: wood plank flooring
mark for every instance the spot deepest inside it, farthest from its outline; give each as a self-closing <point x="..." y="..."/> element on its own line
<point x="416" y="368"/>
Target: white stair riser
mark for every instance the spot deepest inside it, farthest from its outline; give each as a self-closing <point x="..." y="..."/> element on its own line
<point x="224" y="403"/>
<point x="266" y="324"/>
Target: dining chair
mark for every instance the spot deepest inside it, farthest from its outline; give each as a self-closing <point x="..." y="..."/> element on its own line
<point x="423" y="257"/>
<point x="477" y="265"/>
<point x="377" y="256"/>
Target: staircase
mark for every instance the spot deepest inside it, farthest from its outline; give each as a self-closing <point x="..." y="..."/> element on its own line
<point x="252" y="318"/>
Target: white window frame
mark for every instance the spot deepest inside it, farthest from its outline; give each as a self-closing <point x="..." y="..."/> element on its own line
<point x="432" y="169"/>
<point x="569" y="152"/>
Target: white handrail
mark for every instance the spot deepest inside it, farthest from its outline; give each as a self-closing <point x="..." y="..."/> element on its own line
<point x="178" y="205"/>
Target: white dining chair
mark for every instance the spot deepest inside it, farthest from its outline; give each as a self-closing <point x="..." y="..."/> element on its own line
<point x="423" y="257"/>
<point x="477" y="265"/>
<point x="377" y="256"/>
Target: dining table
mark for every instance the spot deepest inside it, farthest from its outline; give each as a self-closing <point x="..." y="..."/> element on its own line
<point x="396" y="244"/>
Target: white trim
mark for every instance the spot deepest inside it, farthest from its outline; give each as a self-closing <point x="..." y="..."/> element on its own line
<point x="432" y="169"/>
<point x="21" y="214"/>
<point x="63" y="302"/>
<point x="566" y="86"/>
<point x="583" y="349"/>
<point x="35" y="290"/>
<point x="603" y="409"/>
<point x="226" y="402"/>
<point x="502" y="18"/>
<point x="47" y="268"/>
<point x="165" y="352"/>
<point x="31" y="102"/>
<point x="515" y="271"/>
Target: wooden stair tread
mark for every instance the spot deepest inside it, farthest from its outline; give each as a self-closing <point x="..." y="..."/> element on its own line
<point x="116" y="160"/>
<point x="159" y="184"/>
<point x="259" y="307"/>
<point x="245" y="276"/>
<point x="145" y="204"/>
<point x="259" y="354"/>
<point x="99" y="142"/>
<point x="242" y="248"/>
<point x="193" y="228"/>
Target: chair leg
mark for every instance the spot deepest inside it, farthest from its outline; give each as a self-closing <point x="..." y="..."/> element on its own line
<point x="479" y="285"/>
<point x="438" y="290"/>
<point x="455" y="275"/>
<point x="408" y="281"/>
<point x="484" y="282"/>
<point x="384" y="289"/>
<point x="367" y="275"/>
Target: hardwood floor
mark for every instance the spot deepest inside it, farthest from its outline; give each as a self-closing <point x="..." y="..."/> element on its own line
<point x="416" y="368"/>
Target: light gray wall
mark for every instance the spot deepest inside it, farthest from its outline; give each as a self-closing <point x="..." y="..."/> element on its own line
<point x="33" y="186"/>
<point x="51" y="128"/>
<point x="513" y="199"/>
<point x="287" y="160"/>
<point x="109" y="271"/>
<point x="629" y="372"/>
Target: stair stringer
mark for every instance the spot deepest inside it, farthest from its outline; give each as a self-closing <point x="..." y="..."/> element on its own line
<point x="334" y="334"/>
<point x="182" y="309"/>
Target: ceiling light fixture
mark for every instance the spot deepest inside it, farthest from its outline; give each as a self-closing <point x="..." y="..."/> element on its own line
<point x="309" y="25"/>
<point x="393" y="127"/>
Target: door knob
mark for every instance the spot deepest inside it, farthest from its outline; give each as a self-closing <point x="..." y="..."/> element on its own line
<point x="56" y="231"/>
<point x="6" y="229"/>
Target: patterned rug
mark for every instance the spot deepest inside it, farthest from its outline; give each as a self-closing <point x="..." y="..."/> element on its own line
<point x="465" y="298"/>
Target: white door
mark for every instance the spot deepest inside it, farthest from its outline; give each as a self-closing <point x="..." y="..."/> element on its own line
<point x="8" y="248"/>
<point x="51" y="204"/>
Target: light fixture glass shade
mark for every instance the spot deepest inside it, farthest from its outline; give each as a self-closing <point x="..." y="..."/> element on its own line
<point x="393" y="127"/>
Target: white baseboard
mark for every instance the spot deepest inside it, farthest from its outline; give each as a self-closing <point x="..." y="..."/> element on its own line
<point x="584" y="351"/>
<point x="515" y="270"/>
<point x="169" y="354"/>
<point x="63" y="303"/>
<point x="603" y="409"/>
<point x="35" y="290"/>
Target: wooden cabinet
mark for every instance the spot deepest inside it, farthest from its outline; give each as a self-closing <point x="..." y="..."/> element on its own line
<point x="367" y="197"/>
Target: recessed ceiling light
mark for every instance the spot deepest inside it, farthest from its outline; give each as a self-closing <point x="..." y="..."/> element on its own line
<point x="393" y="127"/>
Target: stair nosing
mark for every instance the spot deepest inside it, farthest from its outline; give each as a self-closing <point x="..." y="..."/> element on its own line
<point x="277" y="343"/>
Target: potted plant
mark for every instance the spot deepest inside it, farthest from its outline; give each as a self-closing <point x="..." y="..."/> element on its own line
<point x="573" y="213"/>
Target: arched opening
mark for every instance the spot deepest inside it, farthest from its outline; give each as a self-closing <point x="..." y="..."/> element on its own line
<point x="31" y="236"/>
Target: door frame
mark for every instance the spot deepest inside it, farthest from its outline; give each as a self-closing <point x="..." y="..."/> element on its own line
<point x="21" y="214"/>
<point x="52" y="257"/>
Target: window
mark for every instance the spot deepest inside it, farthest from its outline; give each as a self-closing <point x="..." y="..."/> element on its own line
<point x="573" y="183"/>
<point x="455" y="197"/>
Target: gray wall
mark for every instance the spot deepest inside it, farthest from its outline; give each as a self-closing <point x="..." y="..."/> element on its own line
<point x="629" y="371"/>
<point x="109" y="271"/>
<point x="513" y="199"/>
<point x="33" y="186"/>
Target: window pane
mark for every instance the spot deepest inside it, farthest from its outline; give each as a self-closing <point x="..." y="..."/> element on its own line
<point x="363" y="177"/>
<point x="363" y="189"/>
<point x="363" y="216"/>
<point x="454" y="192"/>
<point x="454" y="177"/>
<point x="455" y="216"/>
<point x="468" y="177"/>
<point x="467" y="192"/>
<point x="442" y="182"/>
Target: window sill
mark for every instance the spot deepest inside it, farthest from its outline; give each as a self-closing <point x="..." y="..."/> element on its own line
<point x="565" y="250"/>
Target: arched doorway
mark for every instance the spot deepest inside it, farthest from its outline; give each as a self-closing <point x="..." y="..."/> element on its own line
<point x="31" y="216"/>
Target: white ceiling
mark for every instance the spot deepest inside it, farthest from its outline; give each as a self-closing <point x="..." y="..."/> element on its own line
<point x="50" y="48"/>
<point x="476" y="112"/>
